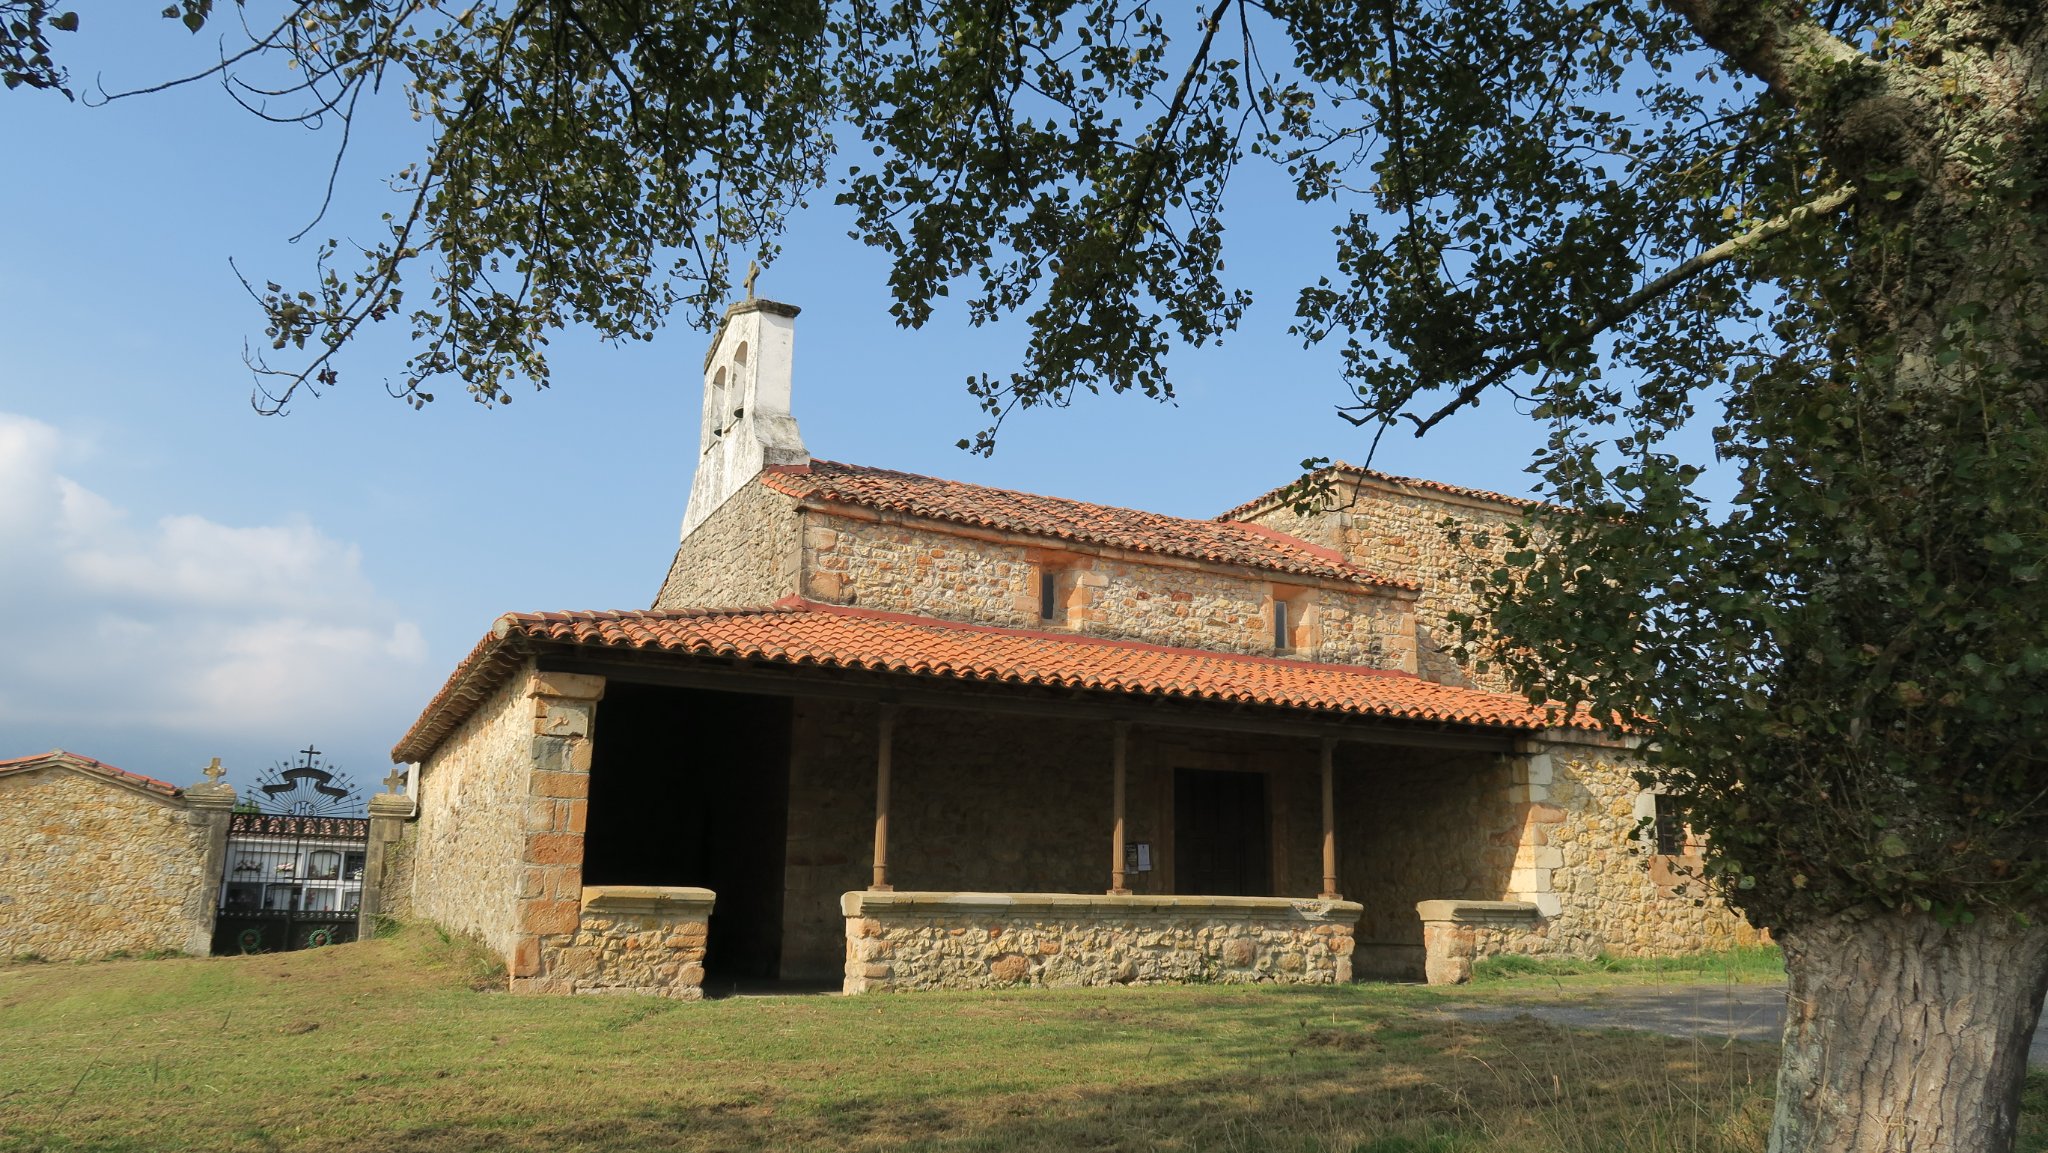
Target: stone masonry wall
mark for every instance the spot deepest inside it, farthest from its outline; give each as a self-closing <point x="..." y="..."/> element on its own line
<point x="904" y="568"/>
<point x="465" y="847"/>
<point x="1417" y="825"/>
<point x="831" y="829"/>
<point x="1553" y="826"/>
<point x="1596" y="879"/>
<point x="904" y="941"/>
<point x="745" y="554"/>
<point x="633" y="939"/>
<point x="400" y="857"/>
<point x="1397" y="530"/>
<point x="89" y="868"/>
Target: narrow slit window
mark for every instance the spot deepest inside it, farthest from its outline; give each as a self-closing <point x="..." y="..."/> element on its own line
<point x="1048" y="595"/>
<point x="1669" y="828"/>
<point x="1280" y="640"/>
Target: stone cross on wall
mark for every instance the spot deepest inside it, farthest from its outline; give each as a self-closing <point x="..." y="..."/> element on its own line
<point x="213" y="772"/>
<point x="753" y="270"/>
<point x="395" y="781"/>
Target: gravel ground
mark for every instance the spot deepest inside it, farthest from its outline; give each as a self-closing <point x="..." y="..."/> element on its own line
<point x="1745" y="1012"/>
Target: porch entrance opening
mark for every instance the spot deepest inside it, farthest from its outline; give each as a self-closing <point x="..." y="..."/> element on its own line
<point x="1219" y="834"/>
<point x="691" y="787"/>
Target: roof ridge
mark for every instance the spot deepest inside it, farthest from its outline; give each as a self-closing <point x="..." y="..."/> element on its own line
<point x="570" y="615"/>
<point x="1230" y="515"/>
<point x="89" y="764"/>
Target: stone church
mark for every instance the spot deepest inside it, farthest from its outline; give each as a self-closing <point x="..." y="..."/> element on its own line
<point x="894" y="732"/>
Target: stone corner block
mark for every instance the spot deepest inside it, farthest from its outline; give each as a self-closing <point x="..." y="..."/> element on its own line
<point x="1472" y="912"/>
<point x="572" y="686"/>
<point x="649" y="899"/>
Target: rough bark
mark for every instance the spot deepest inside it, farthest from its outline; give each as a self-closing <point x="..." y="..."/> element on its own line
<point x="1902" y="1033"/>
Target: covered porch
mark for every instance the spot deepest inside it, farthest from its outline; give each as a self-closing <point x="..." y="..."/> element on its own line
<point x="701" y="817"/>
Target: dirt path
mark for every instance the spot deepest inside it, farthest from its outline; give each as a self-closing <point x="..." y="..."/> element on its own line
<point x="1745" y="1012"/>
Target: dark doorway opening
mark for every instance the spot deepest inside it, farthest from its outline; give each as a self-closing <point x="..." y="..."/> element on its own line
<point x="1219" y="833"/>
<point x="689" y="787"/>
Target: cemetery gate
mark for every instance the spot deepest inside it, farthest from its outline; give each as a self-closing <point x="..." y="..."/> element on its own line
<point x="290" y="882"/>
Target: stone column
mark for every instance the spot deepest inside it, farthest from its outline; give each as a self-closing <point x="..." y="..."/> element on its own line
<point x="388" y="814"/>
<point x="1329" y="757"/>
<point x="1119" y="768"/>
<point x="212" y="806"/>
<point x="885" y="743"/>
<point x="550" y="894"/>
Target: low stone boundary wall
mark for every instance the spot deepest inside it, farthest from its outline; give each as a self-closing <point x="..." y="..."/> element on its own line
<point x="631" y="939"/>
<point x="901" y="941"/>
<point x="1457" y="933"/>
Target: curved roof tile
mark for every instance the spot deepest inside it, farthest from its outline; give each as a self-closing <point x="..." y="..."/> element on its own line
<point x="804" y="633"/>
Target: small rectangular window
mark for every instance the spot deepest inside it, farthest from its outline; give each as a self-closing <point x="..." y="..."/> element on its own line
<point x="1280" y="638"/>
<point x="1048" y="595"/>
<point x="1670" y="828"/>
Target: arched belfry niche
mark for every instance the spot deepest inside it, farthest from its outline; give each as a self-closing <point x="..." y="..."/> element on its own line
<point x="747" y="425"/>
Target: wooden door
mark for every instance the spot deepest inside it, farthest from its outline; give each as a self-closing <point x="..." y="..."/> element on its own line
<point x="1219" y="834"/>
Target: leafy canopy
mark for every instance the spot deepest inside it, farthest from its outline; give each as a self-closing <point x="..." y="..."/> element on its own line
<point x="1812" y="230"/>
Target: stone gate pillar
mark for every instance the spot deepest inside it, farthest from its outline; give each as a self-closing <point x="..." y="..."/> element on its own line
<point x="212" y="806"/>
<point x="388" y="814"/>
<point x="550" y="897"/>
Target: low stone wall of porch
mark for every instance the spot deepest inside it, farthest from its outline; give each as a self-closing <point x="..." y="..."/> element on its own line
<point x="629" y="939"/>
<point x="899" y="941"/>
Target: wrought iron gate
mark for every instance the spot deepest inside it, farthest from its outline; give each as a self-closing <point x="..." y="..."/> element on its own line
<point x="290" y="882"/>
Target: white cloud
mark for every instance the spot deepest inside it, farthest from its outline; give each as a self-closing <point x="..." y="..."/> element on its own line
<point x="187" y="626"/>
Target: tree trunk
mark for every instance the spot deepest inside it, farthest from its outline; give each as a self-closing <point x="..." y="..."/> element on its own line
<point x="1902" y="1033"/>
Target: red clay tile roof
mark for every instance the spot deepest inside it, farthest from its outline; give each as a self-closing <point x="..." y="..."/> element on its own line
<point x="1268" y="498"/>
<point x="1219" y="542"/>
<point x="58" y="757"/>
<point x="803" y="633"/>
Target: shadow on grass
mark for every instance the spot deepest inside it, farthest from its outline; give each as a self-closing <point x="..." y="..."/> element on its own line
<point x="384" y="1046"/>
<point x="1179" y="1071"/>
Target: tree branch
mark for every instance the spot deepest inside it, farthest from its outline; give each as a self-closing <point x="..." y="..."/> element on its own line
<point x="1610" y="316"/>
<point x="1772" y="40"/>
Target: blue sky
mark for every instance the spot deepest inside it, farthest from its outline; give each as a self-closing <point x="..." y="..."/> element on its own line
<point x="188" y="579"/>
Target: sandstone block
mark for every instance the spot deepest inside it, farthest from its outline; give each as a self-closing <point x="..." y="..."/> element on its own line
<point x="526" y="957"/>
<point x="575" y="686"/>
<point x="1009" y="969"/>
<point x="549" y="917"/>
<point x="562" y="720"/>
<point x="558" y="784"/>
<point x="555" y="849"/>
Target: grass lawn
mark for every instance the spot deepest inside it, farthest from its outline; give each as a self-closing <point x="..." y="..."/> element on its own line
<point x="387" y="1045"/>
